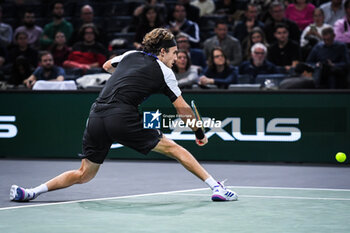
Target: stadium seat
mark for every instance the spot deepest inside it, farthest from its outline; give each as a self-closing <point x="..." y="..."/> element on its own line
<point x="245" y="79"/>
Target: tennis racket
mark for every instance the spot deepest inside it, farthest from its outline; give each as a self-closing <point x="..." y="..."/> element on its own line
<point x="198" y="118"/>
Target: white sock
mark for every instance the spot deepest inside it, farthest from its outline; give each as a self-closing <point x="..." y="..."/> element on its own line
<point x="211" y="182"/>
<point x="40" y="189"/>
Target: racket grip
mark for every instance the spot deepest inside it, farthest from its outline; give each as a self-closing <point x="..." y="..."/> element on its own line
<point x="199" y="134"/>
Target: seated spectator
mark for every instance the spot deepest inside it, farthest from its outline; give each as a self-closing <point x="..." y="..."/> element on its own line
<point x="333" y="10"/>
<point x="5" y="32"/>
<point x="284" y="52"/>
<point x="312" y="33"/>
<point x="182" y="24"/>
<point x="46" y="71"/>
<point x="158" y="5"/>
<point x="206" y="7"/>
<point x="276" y="11"/>
<point x="227" y="8"/>
<point x="257" y="35"/>
<point x="250" y="21"/>
<point x="58" y="24"/>
<point x="33" y="31"/>
<point x="88" y="53"/>
<point x="196" y="55"/>
<point x="219" y="71"/>
<point x="230" y="45"/>
<point x="258" y="63"/>
<point x="342" y="26"/>
<point x="21" y="70"/>
<point x="192" y="12"/>
<point x="303" y="78"/>
<point x="185" y="73"/>
<point x="59" y="49"/>
<point x="300" y="12"/>
<point x="21" y="48"/>
<point x="87" y="16"/>
<point x="149" y="20"/>
<point x="332" y="59"/>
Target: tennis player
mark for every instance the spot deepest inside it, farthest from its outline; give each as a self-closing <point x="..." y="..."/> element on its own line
<point x="114" y="117"/>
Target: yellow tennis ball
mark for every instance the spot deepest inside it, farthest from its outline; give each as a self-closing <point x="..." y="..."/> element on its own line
<point x="340" y="157"/>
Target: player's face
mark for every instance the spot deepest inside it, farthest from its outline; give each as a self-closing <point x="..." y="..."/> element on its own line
<point x="169" y="58"/>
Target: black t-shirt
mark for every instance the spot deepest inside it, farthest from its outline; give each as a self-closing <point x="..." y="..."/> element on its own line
<point x="286" y="55"/>
<point x="137" y="76"/>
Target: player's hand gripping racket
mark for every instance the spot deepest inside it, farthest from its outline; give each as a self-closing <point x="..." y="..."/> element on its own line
<point x="204" y="140"/>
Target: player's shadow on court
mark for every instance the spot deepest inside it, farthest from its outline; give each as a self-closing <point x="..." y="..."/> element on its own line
<point x="147" y="208"/>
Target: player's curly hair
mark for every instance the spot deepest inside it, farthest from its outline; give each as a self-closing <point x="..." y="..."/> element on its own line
<point x="152" y="40"/>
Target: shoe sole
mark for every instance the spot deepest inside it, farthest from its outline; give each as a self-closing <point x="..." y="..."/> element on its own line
<point x="216" y="197"/>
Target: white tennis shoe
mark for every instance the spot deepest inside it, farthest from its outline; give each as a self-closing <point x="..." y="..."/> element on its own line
<point x="20" y="194"/>
<point x="221" y="193"/>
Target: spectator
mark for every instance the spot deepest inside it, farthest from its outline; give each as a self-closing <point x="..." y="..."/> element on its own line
<point x="149" y="20"/>
<point x="229" y="44"/>
<point x="284" y="52"/>
<point x="58" y="24"/>
<point x="88" y="53"/>
<point x="312" y="33"/>
<point x="46" y="71"/>
<point x="227" y="8"/>
<point x="342" y="26"/>
<point x="258" y="63"/>
<point x="301" y="13"/>
<point x="192" y="12"/>
<point x="219" y="71"/>
<point x="332" y="59"/>
<point x="182" y="24"/>
<point x="303" y="78"/>
<point x="158" y="5"/>
<point x="59" y="49"/>
<point x="196" y="55"/>
<point x="257" y="35"/>
<point x="333" y="11"/>
<point x="21" y="69"/>
<point x="5" y="32"/>
<point x="33" y="31"/>
<point x="186" y="74"/>
<point x="244" y="27"/>
<point x="86" y="16"/>
<point x="21" y="48"/>
<point x="206" y="7"/>
<point x="276" y="11"/>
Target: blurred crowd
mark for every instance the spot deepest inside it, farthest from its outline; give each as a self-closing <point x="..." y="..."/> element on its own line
<point x="222" y="44"/>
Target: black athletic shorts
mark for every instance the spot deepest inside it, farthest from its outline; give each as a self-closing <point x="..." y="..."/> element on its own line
<point x="121" y="124"/>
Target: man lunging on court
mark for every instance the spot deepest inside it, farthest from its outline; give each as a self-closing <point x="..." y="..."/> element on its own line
<point x="114" y="117"/>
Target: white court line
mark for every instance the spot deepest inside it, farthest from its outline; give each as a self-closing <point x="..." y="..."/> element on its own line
<point x="102" y="199"/>
<point x="277" y="197"/>
<point x="170" y="192"/>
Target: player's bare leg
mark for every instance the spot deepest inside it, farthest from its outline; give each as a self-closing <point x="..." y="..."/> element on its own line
<point x="173" y="150"/>
<point x="85" y="173"/>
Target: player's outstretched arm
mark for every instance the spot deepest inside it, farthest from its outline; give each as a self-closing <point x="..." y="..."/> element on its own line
<point x="186" y="113"/>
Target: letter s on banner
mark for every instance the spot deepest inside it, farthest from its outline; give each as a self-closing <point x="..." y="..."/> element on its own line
<point x="7" y="130"/>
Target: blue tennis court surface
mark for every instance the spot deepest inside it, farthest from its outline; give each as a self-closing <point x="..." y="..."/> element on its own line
<point x="259" y="209"/>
